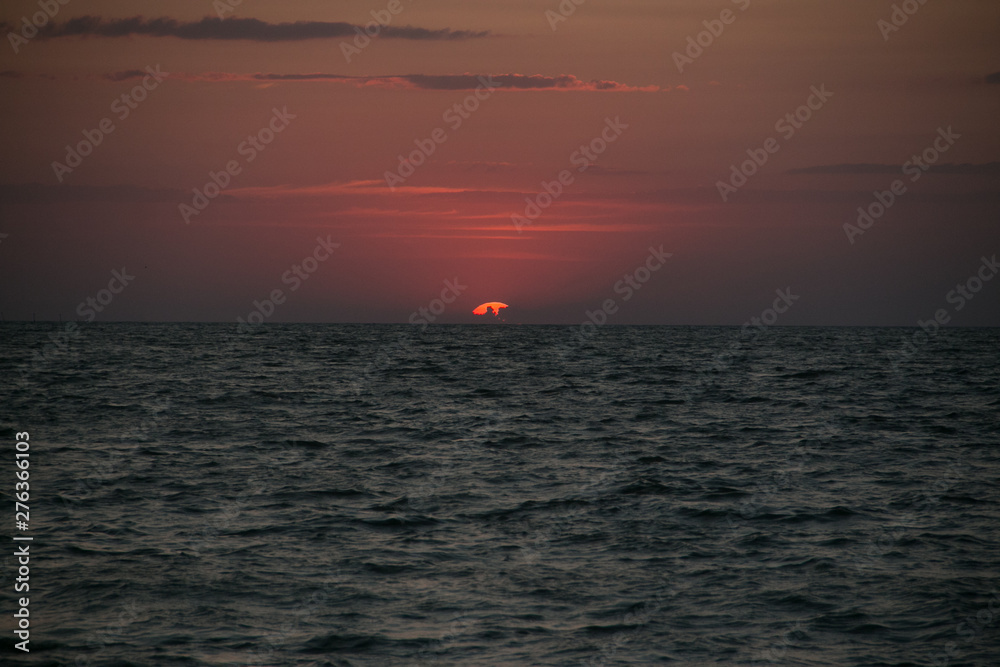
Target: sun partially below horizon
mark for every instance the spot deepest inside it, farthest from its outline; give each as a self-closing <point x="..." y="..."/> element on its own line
<point x="495" y="306"/>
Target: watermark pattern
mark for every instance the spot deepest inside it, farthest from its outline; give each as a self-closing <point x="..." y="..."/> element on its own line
<point x="88" y="308"/>
<point x="887" y="536"/>
<point x="264" y="654"/>
<point x="223" y="7"/>
<point x="639" y="617"/>
<point x="787" y="126"/>
<point x="583" y="158"/>
<point x="696" y="44"/>
<point x="566" y="9"/>
<point x="963" y="293"/>
<point x="92" y="305"/>
<point x="780" y="478"/>
<point x="627" y="287"/>
<point x="970" y="629"/>
<point x="362" y="38"/>
<point x="22" y="518"/>
<point x="122" y="107"/>
<point x="249" y="149"/>
<point x="113" y="633"/>
<point x="255" y="484"/>
<point x="38" y="20"/>
<point x="752" y="328"/>
<point x="458" y="626"/>
<point x="454" y="116"/>
<point x="775" y="653"/>
<point x="112" y="466"/>
<point x="477" y="437"/>
<point x="294" y="277"/>
<point x="915" y="167"/>
<point x="387" y="356"/>
<point x="428" y="314"/>
<point x="899" y="17"/>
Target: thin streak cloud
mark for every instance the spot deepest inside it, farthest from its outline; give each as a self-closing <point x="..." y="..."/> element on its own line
<point x="868" y="168"/>
<point x="454" y="82"/>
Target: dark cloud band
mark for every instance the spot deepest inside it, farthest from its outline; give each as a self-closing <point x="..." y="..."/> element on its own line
<point x="562" y="82"/>
<point x="867" y="168"/>
<point x="210" y="28"/>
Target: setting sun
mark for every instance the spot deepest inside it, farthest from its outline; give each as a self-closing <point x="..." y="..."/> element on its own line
<point x="495" y="306"/>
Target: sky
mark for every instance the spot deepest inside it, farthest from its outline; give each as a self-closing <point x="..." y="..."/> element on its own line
<point x="628" y="161"/>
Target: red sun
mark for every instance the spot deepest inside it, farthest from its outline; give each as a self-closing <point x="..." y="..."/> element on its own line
<point x="495" y="306"/>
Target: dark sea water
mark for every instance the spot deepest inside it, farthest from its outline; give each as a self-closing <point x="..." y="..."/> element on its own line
<point x="381" y="495"/>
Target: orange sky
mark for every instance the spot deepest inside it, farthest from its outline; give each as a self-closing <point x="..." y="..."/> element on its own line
<point x="606" y="77"/>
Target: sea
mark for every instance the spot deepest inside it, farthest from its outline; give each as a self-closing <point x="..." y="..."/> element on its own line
<point x="334" y="495"/>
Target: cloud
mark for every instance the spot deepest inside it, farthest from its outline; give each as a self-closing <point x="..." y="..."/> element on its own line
<point x="255" y="30"/>
<point x="993" y="78"/>
<point x="10" y="74"/>
<point x="127" y="74"/>
<point x="481" y="165"/>
<point x="562" y="82"/>
<point x="377" y="187"/>
<point x="858" y="168"/>
<point x="40" y="193"/>
<point x="868" y="168"/>
<point x="518" y="82"/>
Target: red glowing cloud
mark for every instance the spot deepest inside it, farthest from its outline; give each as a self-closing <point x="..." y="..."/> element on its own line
<point x="495" y="306"/>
